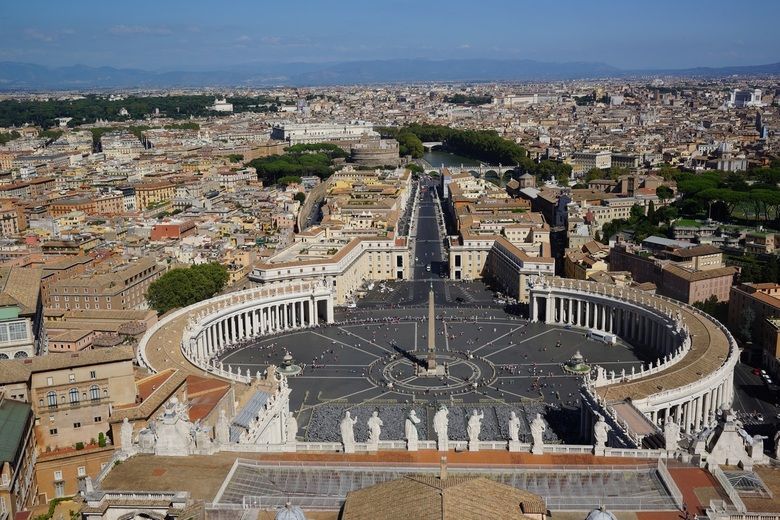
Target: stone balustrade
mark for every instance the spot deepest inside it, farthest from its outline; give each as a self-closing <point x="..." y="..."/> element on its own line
<point x="693" y="376"/>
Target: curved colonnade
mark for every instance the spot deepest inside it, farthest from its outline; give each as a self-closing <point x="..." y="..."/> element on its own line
<point x="690" y="380"/>
<point x="693" y="376"/>
<point x="212" y="326"/>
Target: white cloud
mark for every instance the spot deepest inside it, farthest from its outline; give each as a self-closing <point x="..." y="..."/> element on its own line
<point x="140" y="29"/>
<point x="35" y="34"/>
<point x="271" y="40"/>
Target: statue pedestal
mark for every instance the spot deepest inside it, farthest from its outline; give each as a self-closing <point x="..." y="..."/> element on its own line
<point x="444" y="446"/>
<point x="473" y="445"/>
<point x="349" y="448"/>
<point x="537" y="449"/>
<point x="437" y="371"/>
<point x="291" y="447"/>
<point x="514" y="446"/>
<point x="599" y="451"/>
<point x="411" y="445"/>
<point x="372" y="446"/>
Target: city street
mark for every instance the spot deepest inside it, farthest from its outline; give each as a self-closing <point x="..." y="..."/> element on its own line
<point x="428" y="245"/>
<point x="755" y="402"/>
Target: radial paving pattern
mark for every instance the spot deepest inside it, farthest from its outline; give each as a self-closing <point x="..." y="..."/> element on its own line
<point x="497" y="362"/>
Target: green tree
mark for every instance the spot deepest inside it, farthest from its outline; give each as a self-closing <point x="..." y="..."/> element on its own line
<point x="664" y="193"/>
<point x="300" y="197"/>
<point x="288" y="179"/>
<point x="235" y="157"/>
<point x="594" y="174"/>
<point x="410" y="144"/>
<point x="184" y="286"/>
<point x="717" y="309"/>
<point x="748" y="317"/>
<point x="651" y="213"/>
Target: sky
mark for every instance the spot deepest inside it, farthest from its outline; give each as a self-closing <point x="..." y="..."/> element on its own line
<point x="209" y="35"/>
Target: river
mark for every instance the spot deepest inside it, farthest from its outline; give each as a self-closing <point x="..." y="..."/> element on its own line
<point x="438" y="157"/>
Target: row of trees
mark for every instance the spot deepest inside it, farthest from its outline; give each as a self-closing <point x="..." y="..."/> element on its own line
<point x="463" y="99"/>
<point x="184" y="286"/>
<point x="750" y="196"/>
<point x="656" y="222"/>
<point x="482" y="145"/>
<point x="43" y="113"/>
<point x="6" y="137"/>
<point x="299" y="160"/>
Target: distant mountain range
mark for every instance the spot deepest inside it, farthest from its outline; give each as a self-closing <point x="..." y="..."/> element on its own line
<point x="27" y="76"/>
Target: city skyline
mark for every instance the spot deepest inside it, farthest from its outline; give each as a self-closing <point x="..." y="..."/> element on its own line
<point x="204" y="36"/>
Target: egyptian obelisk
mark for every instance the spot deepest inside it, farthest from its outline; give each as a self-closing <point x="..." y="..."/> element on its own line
<point x="431" y="333"/>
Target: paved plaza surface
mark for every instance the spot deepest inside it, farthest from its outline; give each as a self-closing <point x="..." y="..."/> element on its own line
<point x="497" y="362"/>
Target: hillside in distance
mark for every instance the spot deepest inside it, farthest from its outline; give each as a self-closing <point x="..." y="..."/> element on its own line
<point x="27" y="76"/>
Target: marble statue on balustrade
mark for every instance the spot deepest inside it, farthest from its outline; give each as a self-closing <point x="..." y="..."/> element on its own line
<point x="126" y="437"/>
<point x="173" y="430"/>
<point x="514" y="431"/>
<point x="222" y="429"/>
<point x="347" y="428"/>
<point x="441" y="424"/>
<point x="756" y="448"/>
<point x="729" y="444"/>
<point x="600" y="435"/>
<point x="671" y="435"/>
<point x="202" y="440"/>
<point x="538" y="427"/>
<point x="410" y="431"/>
<point x="291" y="427"/>
<point x="514" y="427"/>
<point x="777" y="445"/>
<point x="374" y="430"/>
<point x="474" y="428"/>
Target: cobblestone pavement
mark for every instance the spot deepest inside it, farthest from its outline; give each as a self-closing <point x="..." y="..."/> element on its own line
<point x="340" y="362"/>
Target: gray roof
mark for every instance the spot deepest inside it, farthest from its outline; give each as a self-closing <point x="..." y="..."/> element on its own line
<point x="247" y="414"/>
<point x="18" y="370"/>
<point x="14" y="417"/>
<point x="666" y="242"/>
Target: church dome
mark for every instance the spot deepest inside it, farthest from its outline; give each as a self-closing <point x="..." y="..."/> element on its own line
<point x="600" y="514"/>
<point x="290" y="512"/>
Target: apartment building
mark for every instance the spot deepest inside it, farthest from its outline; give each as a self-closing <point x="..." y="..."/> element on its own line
<point x="762" y="302"/>
<point x="12" y="219"/>
<point x="153" y="193"/>
<point x="343" y="263"/>
<point x="689" y="276"/>
<point x="304" y="133"/>
<point x="589" y="159"/>
<point x="72" y="394"/>
<point x="123" y="287"/>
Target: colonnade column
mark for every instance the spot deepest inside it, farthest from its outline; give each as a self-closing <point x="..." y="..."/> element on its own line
<point x="587" y="313"/>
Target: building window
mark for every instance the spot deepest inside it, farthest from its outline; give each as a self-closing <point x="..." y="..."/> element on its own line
<point x="77" y="425"/>
<point x="52" y="398"/>
<point x="17" y="331"/>
<point x="81" y="471"/>
<point x="58" y="475"/>
<point x="71" y="378"/>
<point x="94" y="392"/>
<point x="53" y="431"/>
<point x="59" y="489"/>
<point x="92" y="374"/>
<point x="98" y="419"/>
<point x="73" y="394"/>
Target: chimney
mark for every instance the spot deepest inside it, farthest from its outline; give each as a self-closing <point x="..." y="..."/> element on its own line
<point x="443" y="468"/>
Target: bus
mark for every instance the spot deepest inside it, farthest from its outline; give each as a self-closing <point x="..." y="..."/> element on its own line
<point x="604" y="337"/>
